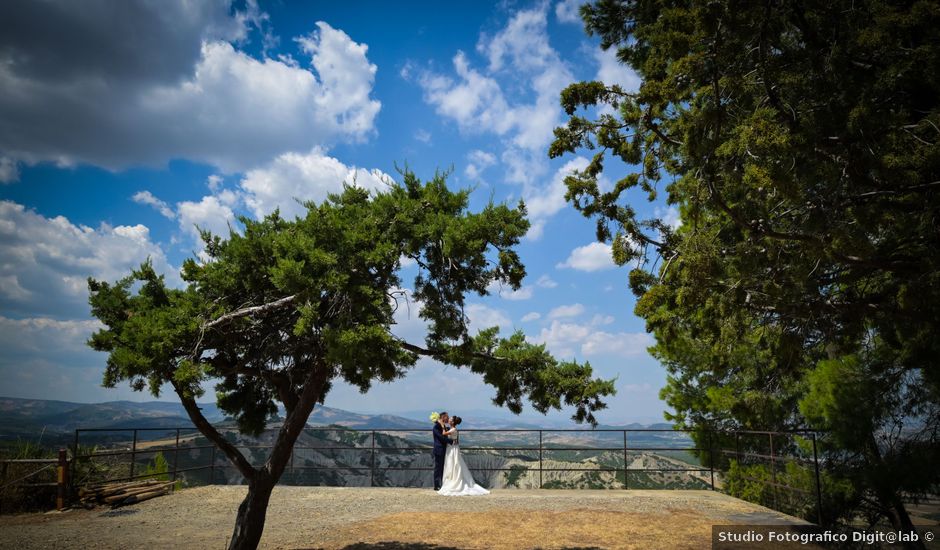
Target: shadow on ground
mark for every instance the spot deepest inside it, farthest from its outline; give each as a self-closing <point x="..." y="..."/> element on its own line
<point x="424" y="546"/>
<point x="118" y="513"/>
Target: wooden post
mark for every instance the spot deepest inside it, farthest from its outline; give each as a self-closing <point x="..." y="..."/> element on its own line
<point x="61" y="479"/>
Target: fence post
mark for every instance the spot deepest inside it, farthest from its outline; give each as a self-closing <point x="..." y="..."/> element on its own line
<point x="3" y="477"/>
<point x="176" y="453"/>
<point x="61" y="479"/>
<point x="212" y="467"/>
<point x="711" y="456"/>
<point x="72" y="473"/>
<point x="819" y="509"/>
<point x="625" y="486"/>
<point x="540" y="459"/>
<point x="133" y="454"/>
<point x="773" y="469"/>
<point x="372" y="470"/>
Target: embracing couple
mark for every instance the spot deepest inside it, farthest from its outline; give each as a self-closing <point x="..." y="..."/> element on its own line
<point x="451" y="475"/>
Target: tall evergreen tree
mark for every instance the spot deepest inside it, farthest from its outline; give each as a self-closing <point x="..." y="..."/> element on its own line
<point x="280" y="311"/>
<point x="800" y="141"/>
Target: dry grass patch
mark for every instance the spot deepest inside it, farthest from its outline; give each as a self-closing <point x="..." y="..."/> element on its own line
<point x="579" y="528"/>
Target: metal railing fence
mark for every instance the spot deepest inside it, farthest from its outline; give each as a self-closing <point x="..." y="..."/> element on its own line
<point x="374" y="449"/>
<point x="773" y="449"/>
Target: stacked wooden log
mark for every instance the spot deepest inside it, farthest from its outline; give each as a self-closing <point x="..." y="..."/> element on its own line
<point x="123" y="493"/>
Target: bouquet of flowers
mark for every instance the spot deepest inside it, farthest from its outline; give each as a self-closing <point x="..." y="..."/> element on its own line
<point x="434" y="416"/>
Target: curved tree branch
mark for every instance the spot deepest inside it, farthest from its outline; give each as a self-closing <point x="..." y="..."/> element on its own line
<point x="439" y="353"/>
<point x="244" y="312"/>
<point x="208" y="430"/>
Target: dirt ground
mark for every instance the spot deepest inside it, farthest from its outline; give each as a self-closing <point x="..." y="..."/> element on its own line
<point x="363" y="518"/>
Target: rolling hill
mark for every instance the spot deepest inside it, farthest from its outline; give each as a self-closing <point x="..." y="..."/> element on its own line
<point x="27" y="418"/>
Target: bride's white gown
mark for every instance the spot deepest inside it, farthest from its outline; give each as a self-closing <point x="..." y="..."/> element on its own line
<point x="458" y="481"/>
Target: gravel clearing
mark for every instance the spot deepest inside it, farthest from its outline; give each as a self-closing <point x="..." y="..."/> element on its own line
<point x="337" y="517"/>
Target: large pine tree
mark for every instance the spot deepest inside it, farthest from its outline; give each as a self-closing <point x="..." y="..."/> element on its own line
<point x="282" y="309"/>
<point x="800" y="141"/>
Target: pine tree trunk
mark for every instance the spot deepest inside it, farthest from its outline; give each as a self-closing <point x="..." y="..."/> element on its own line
<point x="249" y="521"/>
<point x="901" y="521"/>
<point x="891" y="500"/>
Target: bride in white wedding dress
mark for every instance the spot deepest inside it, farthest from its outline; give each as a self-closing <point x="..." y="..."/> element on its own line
<point x="458" y="481"/>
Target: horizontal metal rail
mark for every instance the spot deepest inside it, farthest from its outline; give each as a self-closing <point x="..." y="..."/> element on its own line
<point x="364" y="444"/>
<point x="773" y="457"/>
<point x="61" y="483"/>
<point x="425" y="430"/>
<point x="775" y="484"/>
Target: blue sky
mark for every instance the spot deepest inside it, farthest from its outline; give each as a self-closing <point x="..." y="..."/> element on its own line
<point x="125" y="126"/>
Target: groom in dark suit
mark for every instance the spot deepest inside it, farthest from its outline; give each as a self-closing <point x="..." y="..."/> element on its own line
<point x="441" y="442"/>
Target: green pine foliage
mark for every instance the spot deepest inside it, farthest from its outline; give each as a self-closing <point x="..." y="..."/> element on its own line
<point x="800" y="143"/>
<point x="277" y="312"/>
<point x="338" y="269"/>
<point x="158" y="468"/>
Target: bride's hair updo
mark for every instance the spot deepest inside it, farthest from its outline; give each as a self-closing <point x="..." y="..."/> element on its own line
<point x="455" y="420"/>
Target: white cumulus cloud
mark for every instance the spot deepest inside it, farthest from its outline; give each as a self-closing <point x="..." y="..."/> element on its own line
<point x="669" y="216"/>
<point x="611" y="71"/>
<point x="304" y="177"/>
<point x="595" y="256"/>
<point x="507" y="293"/>
<point x="567" y="11"/>
<point x="544" y="202"/>
<point x="148" y="198"/>
<point x="571" y="310"/>
<point x="546" y="282"/>
<point x="9" y="172"/>
<point x="210" y="213"/>
<point x="599" y="320"/>
<point x="45" y="358"/>
<point x="477" y="162"/>
<point x="566" y="339"/>
<point x="170" y="81"/>
<point x="513" y="96"/>
<point x="482" y="317"/>
<point x="423" y="136"/>
<point x="46" y="261"/>
<point x="621" y="343"/>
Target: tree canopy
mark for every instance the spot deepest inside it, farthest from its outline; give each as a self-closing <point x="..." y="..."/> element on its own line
<point x="277" y="312"/>
<point x="800" y="142"/>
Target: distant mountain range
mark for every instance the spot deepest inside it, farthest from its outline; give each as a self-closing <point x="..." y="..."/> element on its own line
<point x="30" y="417"/>
<point x="27" y="418"/>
